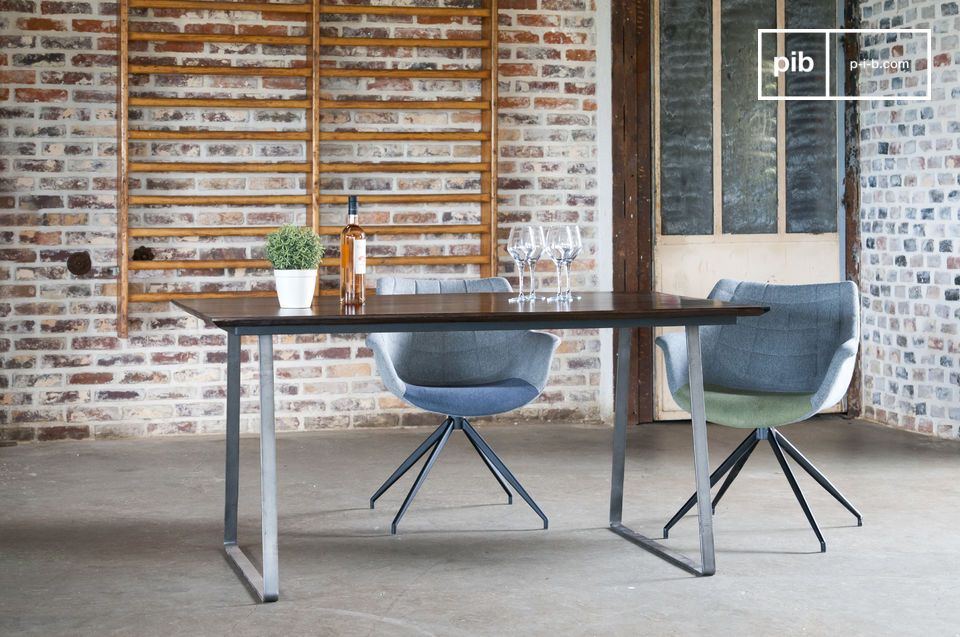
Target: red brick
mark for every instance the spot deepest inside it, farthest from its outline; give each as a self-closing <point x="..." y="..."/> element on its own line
<point x="41" y="24"/>
<point x="40" y="95"/>
<point x="64" y="432"/>
<point x="91" y="378"/>
<point x="18" y="77"/>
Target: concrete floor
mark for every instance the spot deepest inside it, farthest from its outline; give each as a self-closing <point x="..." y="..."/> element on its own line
<point x="121" y="538"/>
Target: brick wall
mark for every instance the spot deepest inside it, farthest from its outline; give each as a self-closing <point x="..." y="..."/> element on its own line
<point x="910" y="219"/>
<point x="66" y="374"/>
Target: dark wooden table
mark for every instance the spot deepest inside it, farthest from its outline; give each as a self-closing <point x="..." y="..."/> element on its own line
<point x="263" y="317"/>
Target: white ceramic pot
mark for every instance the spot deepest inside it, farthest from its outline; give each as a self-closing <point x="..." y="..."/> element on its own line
<point x="295" y="287"/>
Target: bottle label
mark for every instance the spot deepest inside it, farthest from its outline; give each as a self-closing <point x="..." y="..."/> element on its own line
<point x="359" y="256"/>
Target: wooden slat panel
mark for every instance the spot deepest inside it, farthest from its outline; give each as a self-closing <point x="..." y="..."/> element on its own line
<point x="256" y="71"/>
<point x="202" y="102"/>
<point x="226" y="200"/>
<point x="488" y="148"/>
<point x="216" y="264"/>
<point x="203" y="5"/>
<point x="406" y="104"/>
<point x="160" y="36"/>
<point x="216" y="167"/>
<point x="435" y="43"/>
<point x="259" y="231"/>
<point x="444" y="74"/>
<point x="414" y="11"/>
<point x="465" y="136"/>
<point x="216" y="134"/>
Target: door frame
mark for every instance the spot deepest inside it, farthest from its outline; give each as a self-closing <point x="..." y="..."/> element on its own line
<point x="632" y="110"/>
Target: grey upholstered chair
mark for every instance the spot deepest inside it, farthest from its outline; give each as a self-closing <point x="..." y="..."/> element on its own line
<point x="772" y="370"/>
<point x="460" y="375"/>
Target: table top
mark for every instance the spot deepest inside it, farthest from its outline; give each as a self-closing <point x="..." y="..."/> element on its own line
<point x="465" y="311"/>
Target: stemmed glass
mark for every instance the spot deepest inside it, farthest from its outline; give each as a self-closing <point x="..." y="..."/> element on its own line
<point x="563" y="244"/>
<point x="539" y="244"/>
<point x="520" y="246"/>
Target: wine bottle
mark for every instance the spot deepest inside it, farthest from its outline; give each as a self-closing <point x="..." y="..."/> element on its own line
<point x="353" y="258"/>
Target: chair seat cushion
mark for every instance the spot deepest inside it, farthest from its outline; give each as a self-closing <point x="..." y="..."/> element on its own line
<point x="472" y="400"/>
<point x="749" y="409"/>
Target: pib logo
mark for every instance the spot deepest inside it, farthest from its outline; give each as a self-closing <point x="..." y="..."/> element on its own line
<point x="796" y="62"/>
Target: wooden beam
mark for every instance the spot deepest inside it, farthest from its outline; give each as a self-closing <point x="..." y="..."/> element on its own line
<point x="391" y="10"/>
<point x="205" y="102"/>
<point x="465" y="136"/>
<point x="406" y="167"/>
<point x="255" y="71"/>
<point x="224" y="200"/>
<point x="123" y="159"/>
<point x="260" y="231"/>
<point x="488" y="147"/>
<point x="162" y="36"/>
<point x="446" y="105"/>
<point x="216" y="167"/>
<point x="419" y="43"/>
<point x="216" y="134"/>
<point x="204" y="5"/>
<point x="433" y="74"/>
<point x="851" y="181"/>
<point x="239" y="264"/>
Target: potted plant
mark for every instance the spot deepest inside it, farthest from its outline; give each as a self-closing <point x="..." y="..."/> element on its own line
<point x="295" y="253"/>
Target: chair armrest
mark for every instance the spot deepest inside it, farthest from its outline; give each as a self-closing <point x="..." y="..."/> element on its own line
<point x="674" y="347"/>
<point x="533" y="356"/>
<point x="383" y="347"/>
<point x="836" y="380"/>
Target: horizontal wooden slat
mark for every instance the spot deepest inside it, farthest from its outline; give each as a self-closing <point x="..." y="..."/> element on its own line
<point x="465" y="136"/>
<point x="415" y="11"/>
<point x="225" y="200"/>
<point x="222" y="6"/>
<point x="283" y="167"/>
<point x="411" y="167"/>
<point x="257" y="71"/>
<point x="160" y="36"/>
<point x="442" y="74"/>
<point x="204" y="102"/>
<point x="217" y="264"/>
<point x="259" y="231"/>
<point x="157" y="297"/>
<point x="420" y="43"/>
<point x="215" y="167"/>
<point x="221" y="134"/>
<point x="452" y="197"/>
<point x="412" y="105"/>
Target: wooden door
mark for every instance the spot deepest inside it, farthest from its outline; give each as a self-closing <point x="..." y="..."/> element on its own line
<point x="743" y="188"/>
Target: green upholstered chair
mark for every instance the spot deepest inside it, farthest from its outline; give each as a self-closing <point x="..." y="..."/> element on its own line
<point x="772" y="370"/>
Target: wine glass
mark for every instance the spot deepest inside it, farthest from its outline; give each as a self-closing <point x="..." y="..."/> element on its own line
<point x="563" y="244"/>
<point x="520" y="247"/>
<point x="538" y="242"/>
<point x="572" y="252"/>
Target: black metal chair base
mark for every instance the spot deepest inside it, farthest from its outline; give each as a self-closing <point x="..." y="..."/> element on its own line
<point x="734" y="463"/>
<point x="434" y="444"/>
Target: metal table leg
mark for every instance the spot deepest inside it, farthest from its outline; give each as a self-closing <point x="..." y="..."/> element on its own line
<point x="266" y="585"/>
<point x="700" y="458"/>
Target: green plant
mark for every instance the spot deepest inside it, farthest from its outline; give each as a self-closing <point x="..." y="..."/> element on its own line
<point x="294" y="248"/>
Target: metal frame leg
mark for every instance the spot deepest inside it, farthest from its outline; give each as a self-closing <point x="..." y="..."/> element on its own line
<point x="266" y="586"/>
<point x="502" y="468"/>
<point x="816" y="474"/>
<point x="796" y="491"/>
<point x="438" y="446"/>
<point x="486" y="461"/>
<point x="734" y="472"/>
<point x="731" y="461"/>
<point x="700" y="458"/>
<point x="412" y="458"/>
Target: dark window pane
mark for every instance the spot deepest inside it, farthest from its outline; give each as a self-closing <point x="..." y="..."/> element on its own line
<point x="686" y="121"/>
<point x="811" y="126"/>
<point x="748" y="125"/>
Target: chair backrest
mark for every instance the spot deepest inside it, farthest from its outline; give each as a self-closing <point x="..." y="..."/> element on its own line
<point x="789" y="348"/>
<point x="449" y="358"/>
